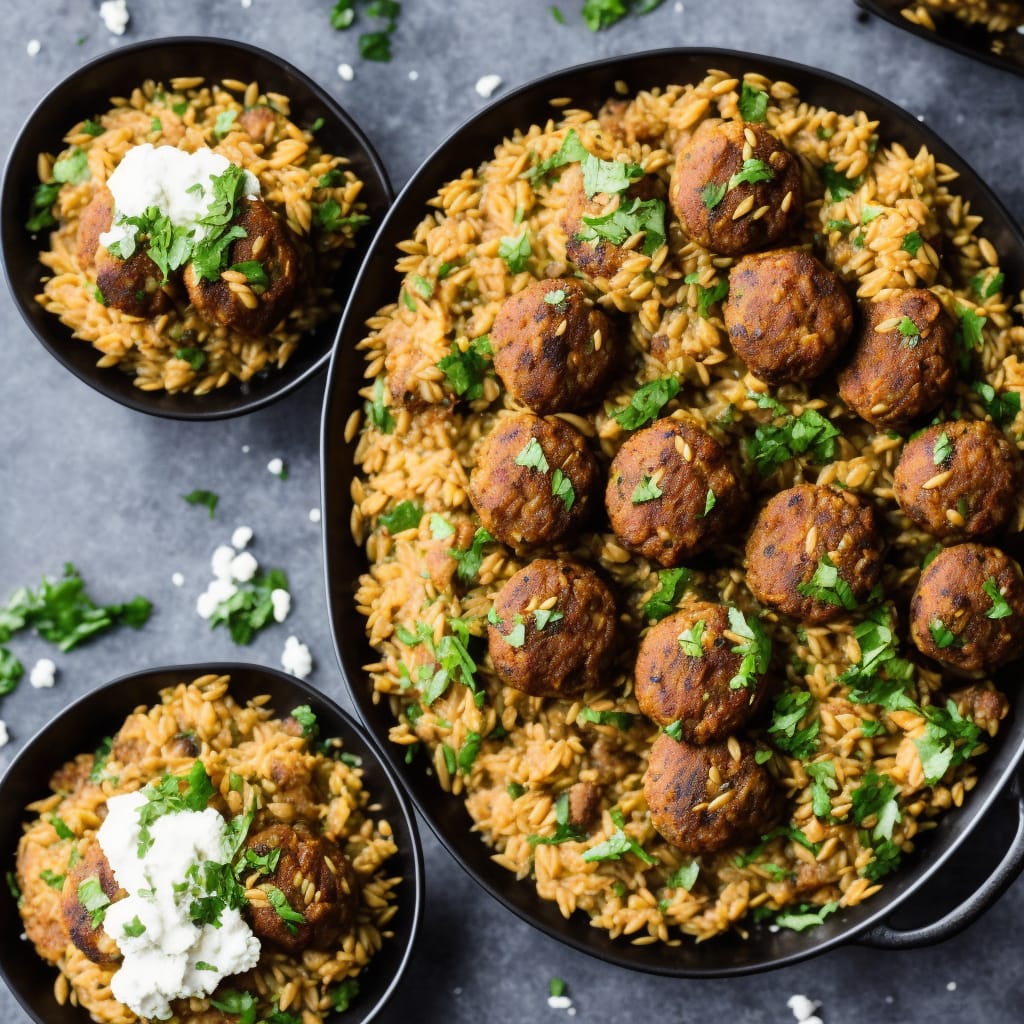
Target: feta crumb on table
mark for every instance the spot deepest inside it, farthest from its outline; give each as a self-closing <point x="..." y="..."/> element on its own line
<point x="281" y="601"/>
<point x="487" y="84"/>
<point x="241" y="538"/>
<point x="33" y="47"/>
<point x="4" y="735"/>
<point x="296" y="659"/>
<point x="43" y="674"/>
<point x="314" y="515"/>
<point x="177" y="579"/>
<point x="345" y="72"/>
<point x="803" y="1008"/>
<point x="275" y="466"/>
<point x="115" y="16"/>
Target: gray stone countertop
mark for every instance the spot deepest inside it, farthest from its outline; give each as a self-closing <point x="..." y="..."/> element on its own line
<point x="85" y="480"/>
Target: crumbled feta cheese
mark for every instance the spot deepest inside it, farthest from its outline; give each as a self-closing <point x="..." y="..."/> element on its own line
<point x="177" y="579"/>
<point x="889" y="1000"/>
<point x="413" y="76"/>
<point x="4" y="735"/>
<point x="275" y="466"/>
<point x="282" y="603"/>
<point x="246" y="449"/>
<point x="241" y="538"/>
<point x="296" y="659"/>
<point x="220" y="563"/>
<point x="247" y="4"/>
<point x="243" y="567"/>
<point x="559" y="1002"/>
<point x="951" y="986"/>
<point x="34" y="46"/>
<point x="345" y="72"/>
<point x="43" y="673"/>
<point x="115" y="16"/>
<point x="486" y="85"/>
<point x="219" y="590"/>
<point x="314" y="515"/>
<point x="802" y="1007"/>
<point x="679" y="8"/>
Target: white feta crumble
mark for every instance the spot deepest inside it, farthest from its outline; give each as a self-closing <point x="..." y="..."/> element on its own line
<point x="115" y="15"/>
<point x="241" y="538"/>
<point x="889" y="1000"/>
<point x="165" y="955"/>
<point x="243" y="567"/>
<point x="559" y="1002"/>
<point x="246" y="449"/>
<point x="275" y="466"/>
<point x="295" y="658"/>
<point x="43" y="674"/>
<point x="486" y="85"/>
<point x="4" y="735"/>
<point x="220" y="563"/>
<point x="413" y="76"/>
<point x="314" y="515"/>
<point x="802" y="1007"/>
<point x="33" y="47"/>
<point x="177" y="579"/>
<point x="679" y="8"/>
<point x="247" y="4"/>
<point x="281" y="601"/>
<point x="951" y="986"/>
<point x="345" y="72"/>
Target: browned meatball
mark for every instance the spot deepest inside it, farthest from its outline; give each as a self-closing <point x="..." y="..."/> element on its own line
<point x="895" y="375"/>
<point x="671" y="491"/>
<point x="268" y="241"/>
<point x="584" y="804"/>
<point x="305" y="860"/>
<point x="552" y="628"/>
<point x="968" y="609"/>
<point x="533" y="479"/>
<point x="553" y="349"/>
<point x="959" y="479"/>
<point x="674" y="683"/>
<point x="705" y="196"/>
<point x="600" y="260"/>
<point x="787" y="315"/>
<point x="795" y="531"/>
<point x="680" y="787"/>
<point x="93" y="221"/>
<point x="95" y="943"/>
<point x="258" y="122"/>
<point x="984" y="705"/>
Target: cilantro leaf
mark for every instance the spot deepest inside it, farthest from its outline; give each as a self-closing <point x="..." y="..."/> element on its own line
<point x="472" y="558"/>
<point x="646" y="490"/>
<point x="823" y="781"/>
<point x="404" y="516"/>
<point x="466" y="367"/>
<point x="690" y="640"/>
<point x="790" y="709"/>
<point x="11" y="671"/>
<point x="327" y="217"/>
<point x="876" y="797"/>
<point x="755" y="649"/>
<point x="515" y="251"/>
<point x="810" y="434"/>
<point x="672" y="584"/>
<point x="561" y="487"/>
<point x="93" y="899"/>
<point x="912" y="242"/>
<point x="646" y="403"/>
<point x="712" y="194"/>
<point x="622" y="720"/>
<point x="753" y="103"/>
<point x="684" y="877"/>
<point x="632" y="217"/>
<point x="532" y="456"/>
<point x="207" y="498"/>
<point x="706" y="297"/>
<point x="805" y="918"/>
<point x="250" y="608"/>
<point x="1001" y="406"/>
<point x="571" y="151"/>
<point x="839" y="186"/>
<point x="617" y="845"/>
<point x="828" y="586"/>
<point x="1000" y="608"/>
<point x="752" y="171"/>
<point x="377" y="411"/>
<point x="986" y="289"/>
<point x="565" y="831"/>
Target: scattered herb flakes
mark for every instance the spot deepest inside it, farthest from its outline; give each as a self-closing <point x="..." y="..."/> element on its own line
<point x="440" y="528"/>
<point x="516" y="252"/>
<point x="886" y="860"/>
<point x="632" y="217"/>
<point x="785" y="732"/>
<point x="561" y="487"/>
<point x="52" y="879"/>
<point x="472" y="558"/>
<point x="672" y="584"/>
<point x="224" y="123"/>
<point x="254" y="273"/>
<point x="970" y="330"/>
<point x="617" y="845"/>
<point x="839" y="186"/>
<point x="1000" y="606"/>
<point x="942" y="449"/>
<point x="942" y="636"/>
<point x="11" y="671"/>
<point x="805" y="917"/>
<point x="406" y="515"/>
<point x="809" y="434"/>
<point x="949" y="740"/>
<point x="753" y="103"/>
<point x="532" y="456"/>
<point x="674" y="730"/>
<point x="43" y="198"/>
<point x="94" y="900"/>
<point x="985" y="289"/>
<point x="622" y="720"/>
<point x="277" y="899"/>
<point x="327" y="217"/>
<point x="466" y="367"/>
<point x="565" y="831"/>
<point x="712" y="194"/>
<point x="543" y="616"/>
<point x="876" y="797"/>
<point x="556" y="297"/>
<point x="515" y="790"/>
<point x="609" y="177"/>
<point x="912" y="242"/>
<point x="752" y="171"/>
<point x="571" y="151"/>
<point x="709" y="504"/>
<point x="1001" y="406"/>
<point x="194" y="356"/>
<point x="557" y="14"/>
<point x="842" y="225"/>
<point x="755" y="649"/>
<point x="377" y="411"/>
<point x="240" y="1004"/>
<point x="421" y="286"/>
<point x="468" y="751"/>
<point x="343" y="994"/>
<point x="909" y="332"/>
<point x="61" y="828"/>
<point x="823" y="783"/>
<point x="306" y="717"/>
<point x="828" y="586"/>
<point x="601" y="14"/>
<point x="762" y="756"/>
<point x="250" y="608"/>
<point x="206" y="498"/>
<point x="691" y="640"/>
<point x="647" y="402"/>
<point x="646" y="490"/>
<point x="870" y="213"/>
<point x="684" y="877"/>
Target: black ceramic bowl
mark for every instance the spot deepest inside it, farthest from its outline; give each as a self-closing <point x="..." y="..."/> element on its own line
<point x="82" y="725"/>
<point x="88" y="90"/>
<point x="1002" y="49"/>
<point x="588" y="87"/>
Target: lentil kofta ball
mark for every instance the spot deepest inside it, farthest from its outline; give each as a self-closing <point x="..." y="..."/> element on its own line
<point x="671" y="491"/>
<point x="736" y="188"/>
<point x="685" y="671"/>
<point x="967" y="612"/>
<point x="551" y="629"/>
<point x="810" y="548"/>
<point x="702" y="798"/>
<point x="554" y="350"/>
<point x="788" y="315"/>
<point x="533" y="479"/>
<point x="959" y="479"/>
<point x="904" y="361"/>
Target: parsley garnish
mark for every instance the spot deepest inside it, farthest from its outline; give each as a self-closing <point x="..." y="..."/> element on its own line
<point x="564" y="831"/>
<point x="404" y="516"/>
<point x="452" y="660"/>
<point x="706" y="297"/>
<point x="571" y="151"/>
<point x="752" y="171"/>
<point x="823" y="781"/>
<point x="1002" y="406"/>
<point x="306" y="717"/>
<point x="672" y="584"/>
<point x="712" y="194"/>
<point x="515" y="251"/>
<point x="646" y="490"/>
<point x="206" y="498"/>
<point x="942" y="449"/>
<point x="684" y="877"/>
<point x="646" y="403"/>
<point x="805" y="918"/>
<point x="630" y="218"/>
<point x="755" y="648"/>
<point x="949" y="740"/>
<point x="242" y="1004"/>
<point x="327" y="217"/>
<point x="709" y="504"/>
<point x="53" y="880"/>
<point x="561" y="487"/>
<point x="810" y="433"/>
<point x="94" y="900"/>
<point x="471" y="559"/>
<point x="1000" y="606"/>
<point x="828" y="586"/>
<point x="343" y="994"/>
<point x="224" y="123"/>
<point x="620" y="719"/>
<point x="134" y="928"/>
<point x="278" y="900"/>
<point x="985" y="290"/>
<point x="61" y="828"/>
<point x="532" y="456"/>
<point x="971" y="324"/>
<point x="690" y="640"/>
<point x="876" y="795"/>
<point x="618" y="844"/>
<point x="378" y="412"/>
<point x="466" y="366"/>
<point x="753" y="103"/>
<point x="254" y="274"/>
<point x="91" y="127"/>
<point x="838" y="184"/>
<point x="169" y="796"/>
<point x="248" y="610"/>
<point x="912" y="242"/>
<point x="943" y="636"/>
<point x="790" y="709"/>
<point x="195" y="357"/>
<point x="542" y="616"/>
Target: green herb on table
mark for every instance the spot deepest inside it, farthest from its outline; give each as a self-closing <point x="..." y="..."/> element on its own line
<point x="208" y="499"/>
<point x="602" y="14"/>
<point x="11" y="671"/>
<point x="372" y="45"/>
<point x="250" y="609"/>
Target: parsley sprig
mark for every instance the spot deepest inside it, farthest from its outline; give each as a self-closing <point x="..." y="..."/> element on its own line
<point x="809" y="434"/>
<point x="250" y="608"/>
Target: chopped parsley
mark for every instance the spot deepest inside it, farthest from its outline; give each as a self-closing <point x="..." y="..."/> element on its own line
<point x="785" y="732"/>
<point x="195" y="357"/>
<point x="828" y="586"/>
<point x="91" y="127"/>
<point x="278" y="900"/>
<point x="986" y="289"/>
<point x="556" y="297"/>
<point x="876" y="797"/>
<point x="672" y="584"/>
<point x="684" y="877"/>
<point x="843" y="226"/>
<point x="565" y="832"/>
<point x="532" y="456"/>
<point x="466" y="366"/>
<point x="94" y="900"/>
<point x="942" y="636"/>
<point x="823" y="782"/>
<point x="343" y="994"/>
<point x="173" y="793"/>
<point x="805" y="917"/>
<point x="942" y="449"/>
<point x="909" y="332"/>
<point x="561" y="487"/>
<point x="472" y="558"/>
<point x="224" y="123"/>
<point x="712" y="194"/>
<point x="61" y="828"/>
<point x="608" y="176"/>
<point x="752" y="171"/>
<point x="571" y="151"/>
<point x="374" y="46"/>
<point x="242" y="1004"/>
<point x="515" y="252"/>
<point x="646" y="403"/>
<point x="377" y="411"/>
<point x="421" y="286"/>
<point x="970" y="331"/>
<point x="706" y="297"/>
<point x="755" y="649"/>
<point x="709" y="504"/>
<point x="255" y="274"/>
<point x="1000" y="608"/>
<point x="633" y="216"/>
<point x="839" y="186"/>
<point x="250" y="608"/>
<point x="753" y="103"/>
<point x="134" y="928"/>
<point x="1002" y="406"/>
<point x="406" y="515"/>
<point x="886" y="860"/>
<point x="617" y="845"/>
<point x="208" y="499"/>
<point x="646" y="490"/>
<point x="468" y="751"/>
<point x="52" y="879"/>
<point x="912" y="242"/>
<point x="452" y="660"/>
<point x="622" y="720"/>
<point x="809" y="434"/>
<point x="306" y="717"/>
<point x="543" y="616"/>
<point x="327" y="217"/>
<point x="690" y="640"/>
<point x="949" y="740"/>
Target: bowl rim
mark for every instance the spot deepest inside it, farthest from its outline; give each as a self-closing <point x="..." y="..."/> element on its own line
<point x="340" y="400"/>
<point x="233" y="400"/>
<point x="185" y="672"/>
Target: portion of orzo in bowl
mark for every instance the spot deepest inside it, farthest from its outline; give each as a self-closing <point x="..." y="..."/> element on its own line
<point x="210" y="860"/>
<point x="641" y="560"/>
<point x="193" y="232"/>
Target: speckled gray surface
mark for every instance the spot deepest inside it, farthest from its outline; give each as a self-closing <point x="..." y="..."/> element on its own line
<point x="85" y="480"/>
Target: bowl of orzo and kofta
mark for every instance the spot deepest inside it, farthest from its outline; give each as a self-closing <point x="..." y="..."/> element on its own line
<point x="683" y="478"/>
<point x="182" y="223"/>
<point x="206" y="843"/>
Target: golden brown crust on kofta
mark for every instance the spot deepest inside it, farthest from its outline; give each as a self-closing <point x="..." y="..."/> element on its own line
<point x="268" y="241"/>
<point x="794" y="530"/>
<point x="787" y="314"/>
<point x="92" y="940"/>
<point x="570" y="652"/>
<point x="894" y="378"/>
<point x="951" y="608"/>
<point x="680" y="789"/>
<point x="672" y="685"/>
<point x="517" y="503"/>
<point x="553" y="349"/>
<point x="959" y="479"/>
<point x="713" y="154"/>
<point x="688" y="466"/>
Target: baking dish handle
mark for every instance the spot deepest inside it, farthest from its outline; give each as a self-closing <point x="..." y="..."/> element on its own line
<point x="1009" y="867"/>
